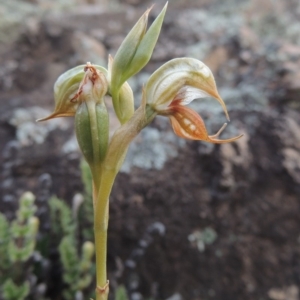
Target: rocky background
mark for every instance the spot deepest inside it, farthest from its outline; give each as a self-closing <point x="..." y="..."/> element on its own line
<point x="188" y="220"/>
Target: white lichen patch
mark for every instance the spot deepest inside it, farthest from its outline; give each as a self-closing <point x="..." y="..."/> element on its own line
<point x="151" y="149"/>
<point x="28" y="132"/>
<point x="71" y="145"/>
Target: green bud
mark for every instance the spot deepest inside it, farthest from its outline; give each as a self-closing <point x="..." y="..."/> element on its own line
<point x="83" y="132"/>
<point x="127" y="51"/>
<point x="146" y="46"/>
<point x="92" y="131"/>
<point x="133" y="54"/>
<point x="126" y="102"/>
<point x="65" y="91"/>
<point x="123" y="99"/>
<point x="91" y="118"/>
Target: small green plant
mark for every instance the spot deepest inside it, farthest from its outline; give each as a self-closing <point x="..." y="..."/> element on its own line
<point x="62" y="222"/>
<point x="81" y="91"/>
<point x="77" y="267"/>
<point x="17" y="244"/>
<point x="12" y="291"/>
<point x="77" y="270"/>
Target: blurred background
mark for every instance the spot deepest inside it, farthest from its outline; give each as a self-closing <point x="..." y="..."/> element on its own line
<point x="188" y="220"/>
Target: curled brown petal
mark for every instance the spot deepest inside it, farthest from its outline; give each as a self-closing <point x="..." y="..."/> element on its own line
<point x="188" y="124"/>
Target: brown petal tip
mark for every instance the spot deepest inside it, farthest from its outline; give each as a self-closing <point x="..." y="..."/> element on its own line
<point x="53" y="115"/>
<point x="217" y="141"/>
<point x="214" y="138"/>
<point x="221" y="101"/>
<point x="56" y="115"/>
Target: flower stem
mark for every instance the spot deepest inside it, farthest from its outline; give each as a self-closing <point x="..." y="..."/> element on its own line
<point x="101" y="201"/>
<point x="104" y="175"/>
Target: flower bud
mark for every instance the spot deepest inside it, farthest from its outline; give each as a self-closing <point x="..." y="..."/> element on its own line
<point x="126" y="104"/>
<point x="91" y="118"/>
<point x="124" y="99"/>
<point x="92" y="131"/>
<point x="65" y="89"/>
<point x="133" y="54"/>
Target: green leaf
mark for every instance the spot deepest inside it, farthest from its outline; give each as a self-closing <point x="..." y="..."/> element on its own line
<point x="146" y="47"/>
<point x="127" y="51"/>
<point x="133" y="54"/>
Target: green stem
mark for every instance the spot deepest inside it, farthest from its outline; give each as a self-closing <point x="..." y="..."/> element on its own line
<point x="124" y="136"/>
<point x="102" y="189"/>
<point x="100" y="227"/>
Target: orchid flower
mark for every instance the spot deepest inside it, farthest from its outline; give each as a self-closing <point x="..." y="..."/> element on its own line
<point x="176" y="84"/>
